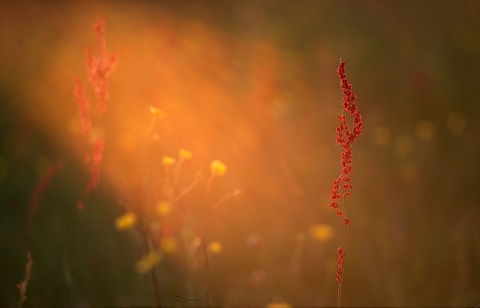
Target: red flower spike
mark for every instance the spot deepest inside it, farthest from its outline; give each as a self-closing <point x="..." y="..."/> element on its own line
<point x="83" y="107"/>
<point x="100" y="66"/>
<point x="334" y="205"/>
<point x="346" y="136"/>
<point x="95" y="166"/>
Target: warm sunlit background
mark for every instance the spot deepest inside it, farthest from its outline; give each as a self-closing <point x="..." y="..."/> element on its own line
<point x="254" y="85"/>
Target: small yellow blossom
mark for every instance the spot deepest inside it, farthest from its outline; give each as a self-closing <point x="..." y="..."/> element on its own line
<point x="321" y="232"/>
<point x="157" y="112"/>
<point x="126" y="221"/>
<point x="164" y="208"/>
<point x="168" y="161"/>
<point x="169" y="244"/>
<point x="147" y="262"/>
<point x="215" y="247"/>
<point x="218" y="168"/>
<point x="185" y="154"/>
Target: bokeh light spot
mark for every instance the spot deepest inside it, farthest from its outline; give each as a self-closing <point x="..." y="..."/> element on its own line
<point x="403" y="146"/>
<point x="408" y="172"/>
<point x="169" y="244"/>
<point x="163" y="208"/>
<point x="215" y="247"/>
<point x="456" y="123"/>
<point x="425" y="130"/>
<point x="279" y="305"/>
<point x="321" y="232"/>
<point x="382" y="135"/>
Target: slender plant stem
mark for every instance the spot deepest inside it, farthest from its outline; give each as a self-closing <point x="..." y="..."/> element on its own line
<point x="153" y="275"/>
<point x="340" y="283"/>
<point x="207" y="268"/>
<point x="156" y="289"/>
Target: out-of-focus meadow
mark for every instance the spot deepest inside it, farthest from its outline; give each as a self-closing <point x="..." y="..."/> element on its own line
<point x="254" y="85"/>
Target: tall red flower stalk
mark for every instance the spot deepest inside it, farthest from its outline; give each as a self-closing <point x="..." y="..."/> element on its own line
<point x="99" y="66"/>
<point x="341" y="186"/>
<point x="83" y="107"/>
<point x="42" y="185"/>
<point x="95" y="166"/>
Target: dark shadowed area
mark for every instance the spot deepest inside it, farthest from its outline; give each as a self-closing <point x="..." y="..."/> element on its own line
<point x="251" y="85"/>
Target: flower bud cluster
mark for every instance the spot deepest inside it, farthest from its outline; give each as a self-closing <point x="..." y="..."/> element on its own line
<point x="345" y="137"/>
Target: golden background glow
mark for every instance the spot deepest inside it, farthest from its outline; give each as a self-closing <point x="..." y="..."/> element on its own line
<point x="232" y="108"/>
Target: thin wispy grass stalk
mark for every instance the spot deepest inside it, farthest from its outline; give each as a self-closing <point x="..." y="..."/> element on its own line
<point x="22" y="286"/>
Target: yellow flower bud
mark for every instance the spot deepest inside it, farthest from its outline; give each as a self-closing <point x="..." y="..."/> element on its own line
<point x="168" y="161"/>
<point x="125" y="221"/>
<point x="218" y="168"/>
<point x="147" y="262"/>
<point x="185" y="154"/>
<point x="157" y="112"/>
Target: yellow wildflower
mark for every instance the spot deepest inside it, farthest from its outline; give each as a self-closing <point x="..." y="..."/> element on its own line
<point x="147" y="262"/>
<point x="218" y="168"/>
<point x="321" y="232"/>
<point x="157" y="112"/>
<point x="168" y="161"/>
<point x="185" y="154"/>
<point x="126" y="221"/>
<point x="169" y="244"/>
<point x="164" y="208"/>
<point x="215" y="247"/>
